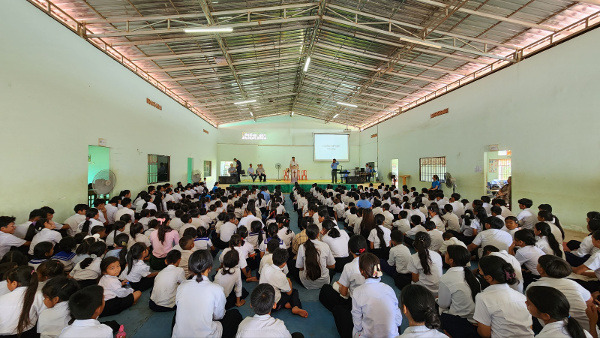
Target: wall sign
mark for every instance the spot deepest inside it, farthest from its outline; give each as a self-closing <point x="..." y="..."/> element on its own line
<point x="153" y="104"/>
<point x="253" y="136"/>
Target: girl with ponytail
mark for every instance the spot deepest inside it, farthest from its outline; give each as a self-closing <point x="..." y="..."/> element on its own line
<point x="338" y="243"/>
<point x="546" y="240"/>
<point x="552" y="307"/>
<point x="456" y="297"/>
<point x="418" y="305"/>
<point x="163" y="239"/>
<point x="379" y="238"/>
<point x="314" y="258"/>
<point x="201" y="303"/>
<point x="500" y="311"/>
<point x="21" y="306"/>
<point x="545" y="215"/>
<point x="230" y="278"/>
<point x="425" y="265"/>
<point x="92" y="217"/>
<point x="375" y="311"/>
<point x="137" y="272"/>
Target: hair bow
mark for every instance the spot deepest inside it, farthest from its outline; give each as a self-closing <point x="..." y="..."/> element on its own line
<point x="161" y="220"/>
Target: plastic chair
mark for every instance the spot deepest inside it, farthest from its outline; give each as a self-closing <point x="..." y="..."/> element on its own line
<point x="286" y="175"/>
<point x="303" y="176"/>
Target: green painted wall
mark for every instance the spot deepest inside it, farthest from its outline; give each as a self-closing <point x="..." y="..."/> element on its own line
<point x="98" y="159"/>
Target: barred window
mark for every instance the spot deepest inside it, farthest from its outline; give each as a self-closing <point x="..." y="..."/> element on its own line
<point x="158" y="168"/>
<point x="504" y="169"/>
<point x="429" y="166"/>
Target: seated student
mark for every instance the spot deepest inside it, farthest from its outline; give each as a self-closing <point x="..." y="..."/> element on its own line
<point x="425" y="265"/>
<point x="490" y="250"/>
<point x="120" y="248"/>
<point x="339" y="209"/>
<point x="7" y="237"/>
<point x="499" y="310"/>
<point x="397" y="263"/>
<point x="42" y="252"/>
<point x="313" y="261"/>
<point x="21" y="306"/>
<point x="42" y="231"/>
<point x="166" y="282"/>
<point x="338" y="243"/>
<point x="48" y="270"/>
<point x="201" y="304"/>
<point x="55" y="316"/>
<point x="379" y="238"/>
<point x="262" y="324"/>
<point x="511" y="225"/>
<point x="415" y="223"/>
<point x="527" y="255"/>
<point x="224" y="233"/>
<point x="434" y="217"/>
<point x="375" y="311"/>
<point x="137" y="234"/>
<point x="116" y="297"/>
<point x="187" y="224"/>
<point x="230" y="278"/>
<point x="247" y="250"/>
<point x="203" y="242"/>
<point x="593" y="263"/>
<point x="337" y="298"/>
<point x="137" y="272"/>
<point x="578" y="256"/>
<point x="92" y="217"/>
<point x="450" y="219"/>
<point x="88" y="270"/>
<point x="4" y="268"/>
<point x="65" y="252"/>
<point x="236" y="243"/>
<point x="546" y="240"/>
<point x="526" y="217"/>
<point x="554" y="272"/>
<point x="418" y="305"/>
<point x="267" y="258"/>
<point x="402" y="224"/>
<point x="284" y="233"/>
<point x="492" y="235"/>
<point x="285" y="295"/>
<point x="437" y="237"/>
<point x="449" y="239"/>
<point x="119" y="227"/>
<point x="85" y="306"/>
<point x="256" y="236"/>
<point x="456" y="296"/>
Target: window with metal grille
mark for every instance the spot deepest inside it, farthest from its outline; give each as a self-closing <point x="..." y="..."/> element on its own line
<point x="158" y="168"/>
<point x="429" y="166"/>
<point x="504" y="169"/>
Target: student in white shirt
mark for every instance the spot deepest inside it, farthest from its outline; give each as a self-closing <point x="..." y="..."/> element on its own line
<point x="437" y="237"/>
<point x="285" y="295"/>
<point x="55" y="316"/>
<point x="527" y="255"/>
<point x="415" y="222"/>
<point x="162" y="298"/>
<point x="425" y="265"/>
<point x="137" y="273"/>
<point x="551" y="306"/>
<point x="434" y="217"/>
<point x="456" y="296"/>
<point x="85" y="306"/>
<point x="314" y="260"/>
<point x="402" y="224"/>
<point x="203" y="242"/>
<point x="284" y="233"/>
<point x="526" y="217"/>
<point x="397" y="263"/>
<point x="23" y="300"/>
<point x="337" y="298"/>
<point x="450" y="219"/>
<point x="375" y="311"/>
<point x="578" y="255"/>
<point x="449" y="239"/>
<point x="201" y="304"/>
<point x="510" y="259"/>
<point x="418" y="305"/>
<point x="338" y="243"/>
<point x="554" y="272"/>
<point x="230" y="278"/>
<point x="116" y="297"/>
<point x="92" y="217"/>
<point x="7" y="239"/>
<point x="42" y="231"/>
<point x="77" y="218"/>
<point x="379" y="238"/>
<point x="499" y="310"/>
<point x="492" y="235"/>
<point x="125" y="210"/>
<point x="262" y="324"/>
<point x="511" y="225"/>
<point x="546" y="240"/>
<point x="87" y="271"/>
<point x="226" y="231"/>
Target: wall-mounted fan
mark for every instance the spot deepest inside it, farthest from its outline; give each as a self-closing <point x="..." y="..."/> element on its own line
<point x="450" y="181"/>
<point x="104" y="182"/>
<point x="278" y="167"/>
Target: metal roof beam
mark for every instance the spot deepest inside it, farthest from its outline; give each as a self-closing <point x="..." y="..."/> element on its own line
<point x="213" y="53"/>
<point x="241" y="72"/>
<point x="244" y="62"/>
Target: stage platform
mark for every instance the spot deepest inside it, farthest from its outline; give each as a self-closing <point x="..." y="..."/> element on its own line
<point x="286" y="186"/>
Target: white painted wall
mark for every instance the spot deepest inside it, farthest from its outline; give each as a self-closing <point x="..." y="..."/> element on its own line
<point x="286" y="137"/>
<point x="59" y="94"/>
<point x="544" y="109"/>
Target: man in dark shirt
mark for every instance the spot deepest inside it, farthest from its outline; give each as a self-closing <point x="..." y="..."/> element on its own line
<point x="238" y="166"/>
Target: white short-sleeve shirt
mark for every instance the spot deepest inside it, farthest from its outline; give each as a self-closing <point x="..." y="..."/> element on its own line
<point x="45" y="235"/>
<point x="87" y="328"/>
<point x="273" y="275"/>
<point x="165" y="285"/>
<point x="400" y="257"/>
<point x="325" y="259"/>
<point x="338" y="245"/>
<point x="431" y="281"/>
<point x="373" y="238"/>
<point x="351" y="276"/>
<point x="504" y="310"/>
<point x="7" y="241"/>
<point x="529" y="256"/>
<point x="496" y="237"/>
<point x="455" y="296"/>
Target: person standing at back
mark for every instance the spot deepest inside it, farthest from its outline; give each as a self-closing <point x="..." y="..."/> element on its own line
<point x="334" y="166"/>
<point x="238" y="167"/>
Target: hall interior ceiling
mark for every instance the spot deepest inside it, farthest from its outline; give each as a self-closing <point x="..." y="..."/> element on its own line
<point x="379" y="57"/>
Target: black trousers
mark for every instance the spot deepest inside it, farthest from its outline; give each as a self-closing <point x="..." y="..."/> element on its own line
<point x="117" y="305"/>
<point x="231" y="299"/>
<point x="157" y="308"/>
<point x="457" y="326"/>
<point x="575" y="260"/>
<point x="144" y="284"/>
<point x="230" y="322"/>
<point x="334" y="176"/>
<point x="340" y="308"/>
<point x="293" y="299"/>
<point x="262" y="178"/>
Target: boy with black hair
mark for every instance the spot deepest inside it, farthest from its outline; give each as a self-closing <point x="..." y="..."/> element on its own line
<point x="166" y="282"/>
<point x="262" y="324"/>
<point x="285" y="295"/>
<point x="85" y="306"/>
<point x="7" y="237"/>
<point x="267" y="259"/>
<point x="526" y="217"/>
<point x="492" y="235"/>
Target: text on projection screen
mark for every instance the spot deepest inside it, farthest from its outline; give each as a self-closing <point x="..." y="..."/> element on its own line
<point x="330" y="146"/>
<point x="253" y="136"/>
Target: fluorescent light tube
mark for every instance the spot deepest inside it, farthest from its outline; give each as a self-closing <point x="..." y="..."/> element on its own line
<point x="336" y="115"/>
<point x="347" y="104"/>
<point x="292" y="113"/>
<point x="244" y="102"/>
<point x="306" y="63"/>
<point x="251" y="114"/>
<point x="209" y="30"/>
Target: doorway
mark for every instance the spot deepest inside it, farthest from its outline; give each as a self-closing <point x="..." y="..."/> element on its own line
<point x="98" y="161"/>
<point x="394" y="170"/>
<point x="497" y="169"/>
